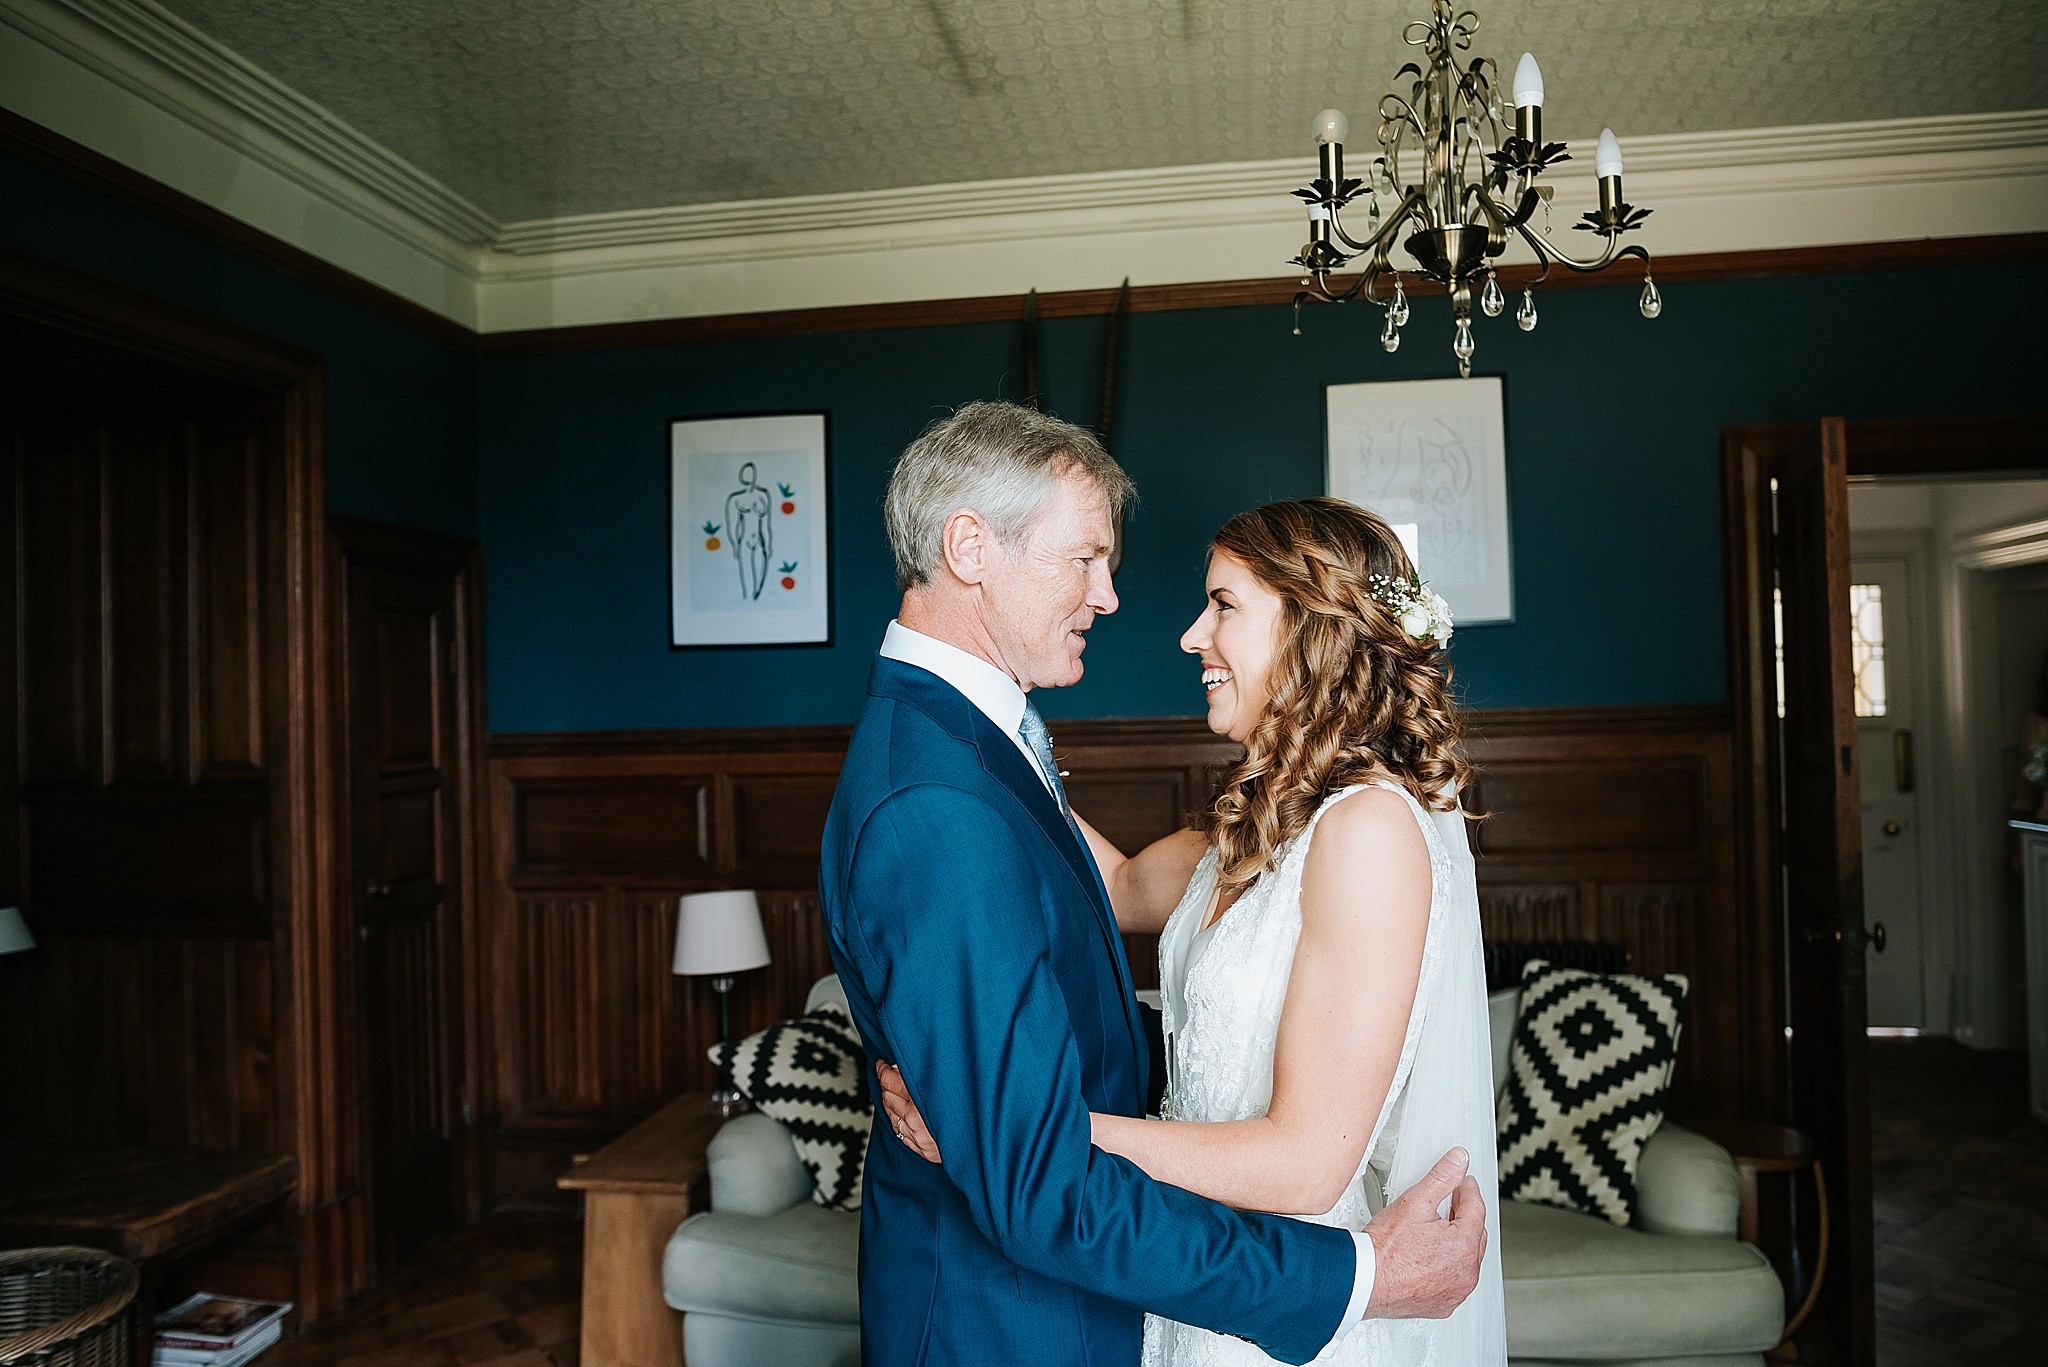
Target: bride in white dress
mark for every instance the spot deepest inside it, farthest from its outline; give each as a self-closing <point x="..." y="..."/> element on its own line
<point x="1320" y="964"/>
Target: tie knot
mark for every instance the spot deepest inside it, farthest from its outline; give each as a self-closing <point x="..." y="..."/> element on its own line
<point x="1033" y="726"/>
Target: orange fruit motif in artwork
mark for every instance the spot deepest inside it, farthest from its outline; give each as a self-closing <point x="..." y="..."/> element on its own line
<point x="788" y="502"/>
<point x="789" y="575"/>
<point x="711" y="541"/>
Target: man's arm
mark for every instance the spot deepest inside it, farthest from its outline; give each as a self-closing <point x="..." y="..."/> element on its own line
<point x="945" y="920"/>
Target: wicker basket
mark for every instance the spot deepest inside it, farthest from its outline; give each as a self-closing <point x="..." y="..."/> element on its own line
<point x="65" y="1307"/>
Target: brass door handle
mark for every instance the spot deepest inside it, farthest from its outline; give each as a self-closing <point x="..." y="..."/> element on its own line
<point x="1877" y="936"/>
<point x="1891" y="828"/>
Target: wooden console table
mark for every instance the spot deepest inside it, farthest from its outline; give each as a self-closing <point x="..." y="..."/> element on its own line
<point x="636" y="1190"/>
<point x="159" y="1208"/>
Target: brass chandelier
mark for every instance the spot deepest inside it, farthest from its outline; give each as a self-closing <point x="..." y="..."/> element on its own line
<point x="1474" y="190"/>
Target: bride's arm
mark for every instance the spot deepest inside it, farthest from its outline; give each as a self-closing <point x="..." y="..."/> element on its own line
<point x="1144" y="888"/>
<point x="1365" y="893"/>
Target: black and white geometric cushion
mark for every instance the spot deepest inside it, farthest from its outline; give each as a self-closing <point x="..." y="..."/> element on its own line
<point x="811" y="1074"/>
<point x="1587" y="1072"/>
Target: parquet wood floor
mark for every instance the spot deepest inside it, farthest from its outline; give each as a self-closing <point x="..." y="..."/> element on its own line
<point x="1961" y="1177"/>
<point x="503" y="1292"/>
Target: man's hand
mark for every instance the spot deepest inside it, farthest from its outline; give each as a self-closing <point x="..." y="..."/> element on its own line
<point x="903" y="1114"/>
<point x="1427" y="1265"/>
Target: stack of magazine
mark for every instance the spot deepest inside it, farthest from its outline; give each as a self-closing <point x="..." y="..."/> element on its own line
<point x="216" y="1331"/>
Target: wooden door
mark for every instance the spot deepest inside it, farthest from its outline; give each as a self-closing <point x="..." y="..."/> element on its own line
<point x="1822" y="852"/>
<point x="405" y="745"/>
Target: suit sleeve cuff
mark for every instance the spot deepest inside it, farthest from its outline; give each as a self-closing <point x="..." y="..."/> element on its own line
<point x="1361" y="1286"/>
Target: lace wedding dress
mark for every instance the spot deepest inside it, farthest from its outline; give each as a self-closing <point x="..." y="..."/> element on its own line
<point x="1222" y="1001"/>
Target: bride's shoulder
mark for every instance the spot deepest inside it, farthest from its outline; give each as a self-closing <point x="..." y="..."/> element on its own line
<point x="1367" y="832"/>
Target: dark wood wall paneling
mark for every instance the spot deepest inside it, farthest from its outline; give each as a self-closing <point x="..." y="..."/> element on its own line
<point x="170" y="800"/>
<point x="1612" y="823"/>
<point x="146" y="575"/>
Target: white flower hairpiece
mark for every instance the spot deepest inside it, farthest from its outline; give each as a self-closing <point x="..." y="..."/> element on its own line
<point x="1421" y="611"/>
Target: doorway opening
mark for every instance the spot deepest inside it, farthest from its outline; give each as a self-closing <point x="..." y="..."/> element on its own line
<point x="1884" y="580"/>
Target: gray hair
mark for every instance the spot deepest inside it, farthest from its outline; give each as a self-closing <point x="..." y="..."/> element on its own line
<point x="999" y="459"/>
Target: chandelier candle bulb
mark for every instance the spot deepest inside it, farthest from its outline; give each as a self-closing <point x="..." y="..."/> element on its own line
<point x="1528" y="82"/>
<point x="1607" y="155"/>
<point x="1332" y="126"/>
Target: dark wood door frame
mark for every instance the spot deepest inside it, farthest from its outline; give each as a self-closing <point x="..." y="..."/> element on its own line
<point x="1751" y="458"/>
<point x="100" y="326"/>
<point x="357" y="541"/>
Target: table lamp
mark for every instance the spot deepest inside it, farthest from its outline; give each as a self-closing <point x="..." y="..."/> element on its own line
<point x="719" y="934"/>
<point x="14" y="936"/>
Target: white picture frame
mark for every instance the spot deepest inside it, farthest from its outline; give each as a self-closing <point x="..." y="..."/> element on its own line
<point x="1430" y="456"/>
<point x="750" y="555"/>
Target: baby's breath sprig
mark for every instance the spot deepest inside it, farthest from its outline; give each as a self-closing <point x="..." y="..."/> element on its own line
<point x="1421" y="611"/>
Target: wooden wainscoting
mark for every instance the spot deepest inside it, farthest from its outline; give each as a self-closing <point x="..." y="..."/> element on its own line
<point x="1607" y="823"/>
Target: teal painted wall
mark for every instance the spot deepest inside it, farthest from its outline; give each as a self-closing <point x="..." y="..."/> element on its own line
<point x="1612" y="428"/>
<point x="559" y="464"/>
<point x="401" y="410"/>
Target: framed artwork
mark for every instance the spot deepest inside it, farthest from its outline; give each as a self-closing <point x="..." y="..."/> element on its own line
<point x="1430" y="456"/>
<point x="750" y="553"/>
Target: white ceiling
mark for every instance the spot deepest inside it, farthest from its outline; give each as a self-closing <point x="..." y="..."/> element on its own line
<point x="539" y="108"/>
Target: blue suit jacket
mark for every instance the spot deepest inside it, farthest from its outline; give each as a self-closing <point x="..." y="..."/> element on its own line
<point x="978" y="951"/>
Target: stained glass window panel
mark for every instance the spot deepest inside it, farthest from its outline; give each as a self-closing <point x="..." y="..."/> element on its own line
<point x="1866" y="647"/>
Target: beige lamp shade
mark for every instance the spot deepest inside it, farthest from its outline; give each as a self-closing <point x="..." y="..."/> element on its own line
<point x="14" y="936"/>
<point x="719" y="932"/>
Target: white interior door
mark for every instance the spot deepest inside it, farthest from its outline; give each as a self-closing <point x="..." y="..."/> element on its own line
<point x="1886" y="651"/>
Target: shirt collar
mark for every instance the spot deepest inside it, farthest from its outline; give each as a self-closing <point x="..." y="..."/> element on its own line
<point x="980" y="682"/>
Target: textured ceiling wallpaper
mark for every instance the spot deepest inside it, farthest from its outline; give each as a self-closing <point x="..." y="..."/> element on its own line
<point x="535" y="108"/>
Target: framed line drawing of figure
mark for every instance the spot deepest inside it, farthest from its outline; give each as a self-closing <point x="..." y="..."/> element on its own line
<point x="1430" y="456"/>
<point x="750" y="554"/>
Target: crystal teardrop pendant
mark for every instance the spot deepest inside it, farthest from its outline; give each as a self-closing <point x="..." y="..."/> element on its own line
<point x="1652" y="302"/>
<point x="1372" y="214"/>
<point x="1491" y="298"/>
<point x="1297" y="314"/>
<point x="1390" y="336"/>
<point x="1525" y="316"/>
<point x="1399" y="310"/>
<point x="1461" y="341"/>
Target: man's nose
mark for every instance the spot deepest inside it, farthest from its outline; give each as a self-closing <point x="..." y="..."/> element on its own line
<point x="1101" y="589"/>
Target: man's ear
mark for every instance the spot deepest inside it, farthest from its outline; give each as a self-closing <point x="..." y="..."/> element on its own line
<point x="967" y="546"/>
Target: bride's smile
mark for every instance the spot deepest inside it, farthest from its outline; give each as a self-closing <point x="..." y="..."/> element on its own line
<point x="1236" y="637"/>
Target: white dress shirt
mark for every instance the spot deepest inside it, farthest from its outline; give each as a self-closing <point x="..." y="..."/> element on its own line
<point x="999" y="699"/>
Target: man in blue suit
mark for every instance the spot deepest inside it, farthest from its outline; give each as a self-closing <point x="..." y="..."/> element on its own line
<point x="979" y="953"/>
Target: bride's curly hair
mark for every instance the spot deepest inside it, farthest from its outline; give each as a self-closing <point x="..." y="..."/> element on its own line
<point x="1352" y="696"/>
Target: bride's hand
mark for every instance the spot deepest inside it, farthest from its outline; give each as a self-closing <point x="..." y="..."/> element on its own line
<point x="903" y="1114"/>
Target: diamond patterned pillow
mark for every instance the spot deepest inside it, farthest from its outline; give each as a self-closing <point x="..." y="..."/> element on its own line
<point x="811" y="1074"/>
<point x="1587" y="1072"/>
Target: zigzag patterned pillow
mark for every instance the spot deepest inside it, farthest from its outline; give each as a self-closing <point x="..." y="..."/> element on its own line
<point x="811" y="1074"/>
<point x="1587" y="1072"/>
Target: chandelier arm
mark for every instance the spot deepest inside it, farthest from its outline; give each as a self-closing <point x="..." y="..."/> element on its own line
<point x="1508" y="219"/>
<point x="1549" y="251"/>
<point x="1377" y="242"/>
<point x="1320" y="286"/>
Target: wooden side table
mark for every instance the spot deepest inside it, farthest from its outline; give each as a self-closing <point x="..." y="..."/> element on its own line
<point x="636" y="1190"/>
<point x="1757" y="1147"/>
<point x="159" y="1208"/>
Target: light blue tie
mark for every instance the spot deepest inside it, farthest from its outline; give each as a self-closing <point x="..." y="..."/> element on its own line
<point x="1033" y="731"/>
